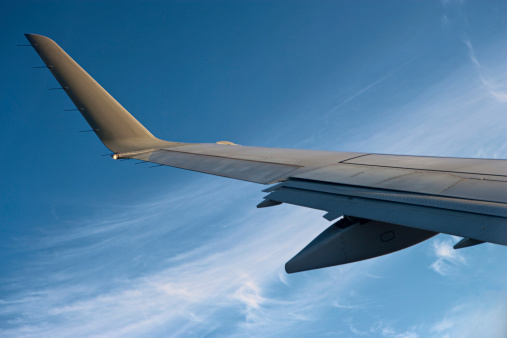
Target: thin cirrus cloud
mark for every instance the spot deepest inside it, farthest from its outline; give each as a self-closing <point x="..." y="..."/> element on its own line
<point x="492" y="77"/>
<point x="388" y="331"/>
<point x="482" y="315"/>
<point x="494" y="87"/>
<point x="233" y="271"/>
<point x="449" y="118"/>
<point x="447" y="260"/>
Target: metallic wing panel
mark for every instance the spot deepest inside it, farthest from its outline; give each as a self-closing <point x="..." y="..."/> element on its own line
<point x="253" y="164"/>
<point x="296" y="157"/>
<point x="246" y="170"/>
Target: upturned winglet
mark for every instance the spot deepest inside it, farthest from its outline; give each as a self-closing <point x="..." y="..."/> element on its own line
<point x="113" y="124"/>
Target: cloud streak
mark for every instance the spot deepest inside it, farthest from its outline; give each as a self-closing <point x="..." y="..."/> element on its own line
<point x="448" y="260"/>
<point x="368" y="87"/>
<point x="483" y="315"/>
<point x="495" y="88"/>
<point x="229" y="275"/>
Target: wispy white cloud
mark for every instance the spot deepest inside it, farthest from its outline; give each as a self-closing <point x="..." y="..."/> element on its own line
<point x="229" y="275"/>
<point x="442" y="325"/>
<point x="368" y="87"/>
<point x="383" y="328"/>
<point x="353" y="301"/>
<point x="357" y="332"/>
<point x="493" y="82"/>
<point x="447" y="259"/>
<point x="479" y="316"/>
<point x="387" y="330"/>
<point x="495" y="88"/>
<point x="444" y="21"/>
<point x="471" y="53"/>
<point x="361" y="91"/>
<point x="449" y="118"/>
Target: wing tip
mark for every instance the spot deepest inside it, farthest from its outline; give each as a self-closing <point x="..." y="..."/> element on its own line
<point x="37" y="40"/>
<point x="31" y="36"/>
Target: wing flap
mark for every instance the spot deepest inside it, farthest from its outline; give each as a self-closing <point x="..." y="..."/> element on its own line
<point x="413" y="180"/>
<point x="488" y="225"/>
<point x="409" y="198"/>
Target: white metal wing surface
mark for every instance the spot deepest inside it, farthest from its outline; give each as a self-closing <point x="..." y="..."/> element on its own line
<point x="381" y="203"/>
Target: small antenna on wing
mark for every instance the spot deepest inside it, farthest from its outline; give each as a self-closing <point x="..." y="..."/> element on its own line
<point x="64" y="88"/>
<point x="50" y="66"/>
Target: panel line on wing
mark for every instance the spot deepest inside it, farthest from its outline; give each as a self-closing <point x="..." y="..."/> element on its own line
<point x="247" y="170"/>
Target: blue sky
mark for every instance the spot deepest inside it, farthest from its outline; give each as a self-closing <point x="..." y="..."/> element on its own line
<point x="96" y="247"/>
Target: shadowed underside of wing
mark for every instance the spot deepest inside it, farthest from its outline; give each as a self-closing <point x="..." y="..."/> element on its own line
<point x="390" y="202"/>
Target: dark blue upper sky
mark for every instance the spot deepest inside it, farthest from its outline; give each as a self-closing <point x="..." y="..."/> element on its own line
<point x="92" y="246"/>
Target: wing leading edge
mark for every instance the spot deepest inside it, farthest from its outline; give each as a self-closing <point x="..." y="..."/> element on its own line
<point x="383" y="203"/>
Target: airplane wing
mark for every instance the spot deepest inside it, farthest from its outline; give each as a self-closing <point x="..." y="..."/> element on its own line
<point x="380" y="203"/>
